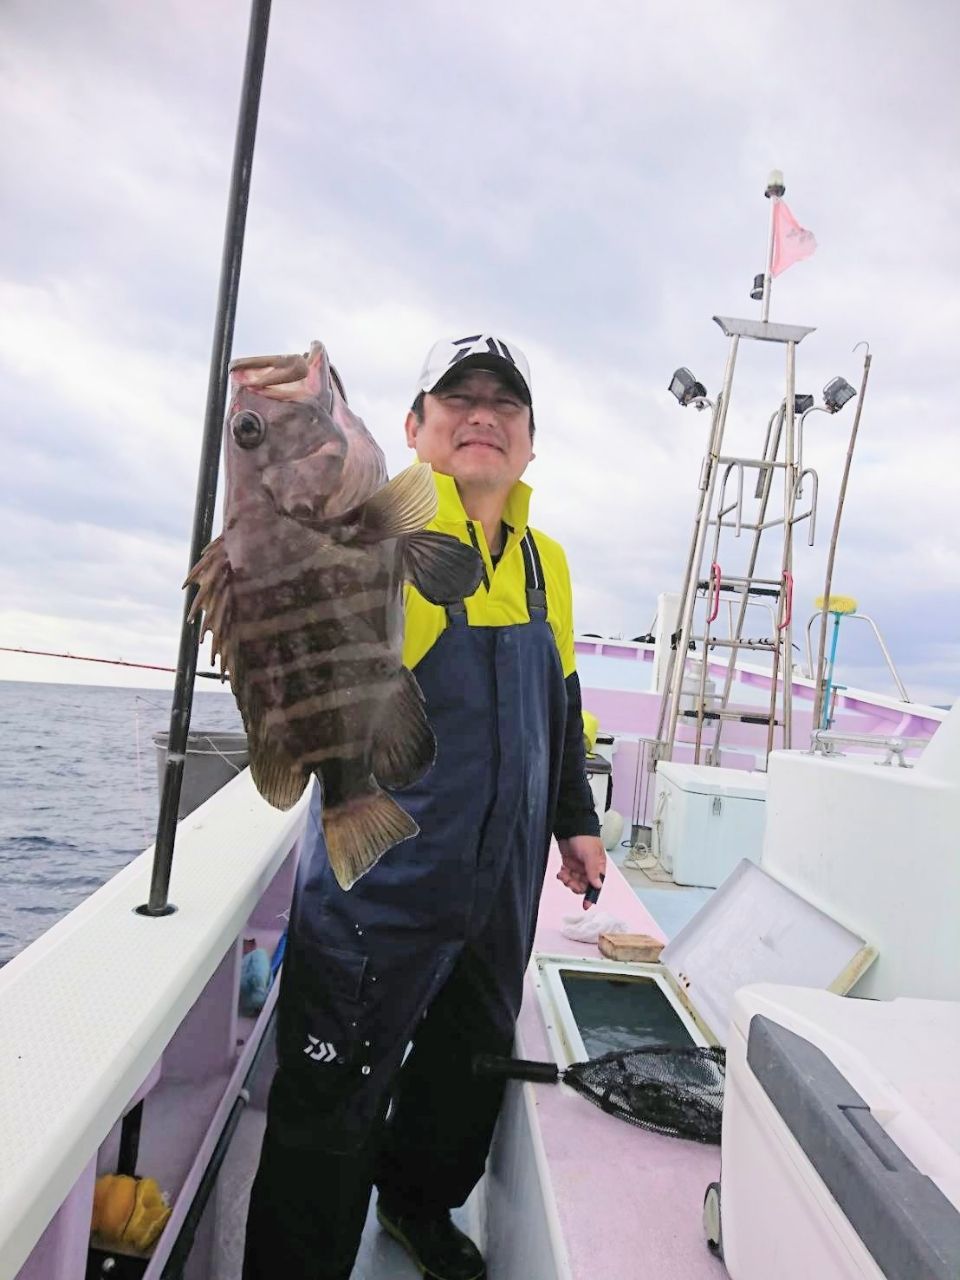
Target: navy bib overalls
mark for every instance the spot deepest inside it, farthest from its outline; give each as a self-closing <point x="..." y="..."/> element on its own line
<point x="429" y="947"/>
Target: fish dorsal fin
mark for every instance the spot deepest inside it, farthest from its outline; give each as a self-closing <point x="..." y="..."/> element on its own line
<point x="442" y="568"/>
<point x="212" y="575"/>
<point x="403" y="506"/>
<point x="404" y="747"/>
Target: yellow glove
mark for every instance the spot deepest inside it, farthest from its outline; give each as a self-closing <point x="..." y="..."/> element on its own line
<point x="591" y="727"/>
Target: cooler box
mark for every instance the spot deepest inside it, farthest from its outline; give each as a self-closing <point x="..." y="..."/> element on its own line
<point x="841" y="1138"/>
<point x="707" y="819"/>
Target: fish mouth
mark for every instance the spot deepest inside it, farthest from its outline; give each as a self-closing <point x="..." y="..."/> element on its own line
<point x="276" y="377"/>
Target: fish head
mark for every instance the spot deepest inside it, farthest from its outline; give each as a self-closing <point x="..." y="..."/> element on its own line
<point x="291" y="439"/>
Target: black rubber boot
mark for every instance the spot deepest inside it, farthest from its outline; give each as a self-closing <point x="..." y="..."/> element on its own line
<point x="440" y="1250"/>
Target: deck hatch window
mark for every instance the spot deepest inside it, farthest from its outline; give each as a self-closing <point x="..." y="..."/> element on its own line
<point x="595" y="1006"/>
<point x="621" y="1011"/>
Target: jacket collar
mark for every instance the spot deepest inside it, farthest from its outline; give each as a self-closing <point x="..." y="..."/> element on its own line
<point x="451" y="511"/>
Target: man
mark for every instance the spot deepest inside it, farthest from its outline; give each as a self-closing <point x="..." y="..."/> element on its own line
<point x="430" y="946"/>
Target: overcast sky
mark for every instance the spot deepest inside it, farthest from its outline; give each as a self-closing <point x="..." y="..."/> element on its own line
<point x="586" y="180"/>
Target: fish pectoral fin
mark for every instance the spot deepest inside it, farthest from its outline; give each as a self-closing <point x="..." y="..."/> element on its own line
<point x="279" y="779"/>
<point x="442" y="568"/>
<point x="404" y="505"/>
<point x="404" y="748"/>
<point x="212" y="575"/>
<point x="360" y="829"/>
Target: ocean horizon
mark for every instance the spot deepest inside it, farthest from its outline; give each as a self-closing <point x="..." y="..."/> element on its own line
<point x="79" y="793"/>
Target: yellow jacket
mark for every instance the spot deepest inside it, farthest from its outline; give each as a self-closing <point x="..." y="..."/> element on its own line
<point x="504" y="602"/>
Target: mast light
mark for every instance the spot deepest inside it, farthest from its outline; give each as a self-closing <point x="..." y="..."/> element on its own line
<point x="687" y="390"/>
<point x="836" y="394"/>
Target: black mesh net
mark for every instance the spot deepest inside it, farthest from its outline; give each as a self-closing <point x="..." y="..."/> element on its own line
<point x="673" y="1091"/>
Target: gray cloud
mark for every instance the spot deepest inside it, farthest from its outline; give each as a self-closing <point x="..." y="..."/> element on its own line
<point x="590" y="184"/>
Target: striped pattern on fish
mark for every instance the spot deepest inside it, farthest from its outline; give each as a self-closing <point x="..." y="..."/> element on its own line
<point x="302" y="593"/>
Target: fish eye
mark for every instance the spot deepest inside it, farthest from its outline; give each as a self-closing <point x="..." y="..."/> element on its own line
<point x="248" y="429"/>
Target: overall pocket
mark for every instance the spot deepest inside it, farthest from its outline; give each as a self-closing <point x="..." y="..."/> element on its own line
<point x="320" y="1011"/>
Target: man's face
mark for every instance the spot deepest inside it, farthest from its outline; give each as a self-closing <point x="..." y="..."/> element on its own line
<point x="476" y="429"/>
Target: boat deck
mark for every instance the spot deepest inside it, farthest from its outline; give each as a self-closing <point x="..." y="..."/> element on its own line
<point x="618" y="1191"/>
<point x="671" y="905"/>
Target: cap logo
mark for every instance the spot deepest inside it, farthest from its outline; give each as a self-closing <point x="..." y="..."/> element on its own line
<point x="480" y="349"/>
<point x="493" y="346"/>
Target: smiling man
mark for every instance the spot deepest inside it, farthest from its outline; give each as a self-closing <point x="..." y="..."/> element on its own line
<point x="429" y="948"/>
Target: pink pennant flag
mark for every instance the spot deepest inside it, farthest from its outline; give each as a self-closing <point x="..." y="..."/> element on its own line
<point x="791" y="242"/>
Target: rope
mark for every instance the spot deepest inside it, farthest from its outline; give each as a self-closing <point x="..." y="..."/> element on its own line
<point x="215" y="751"/>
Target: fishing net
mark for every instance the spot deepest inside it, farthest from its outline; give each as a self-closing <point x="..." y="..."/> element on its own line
<point x="678" y="1092"/>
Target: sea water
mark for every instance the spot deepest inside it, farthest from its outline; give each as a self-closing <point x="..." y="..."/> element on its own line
<point x="78" y="792"/>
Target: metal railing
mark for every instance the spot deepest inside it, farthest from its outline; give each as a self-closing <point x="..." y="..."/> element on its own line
<point x="849" y="617"/>
<point x="827" y="741"/>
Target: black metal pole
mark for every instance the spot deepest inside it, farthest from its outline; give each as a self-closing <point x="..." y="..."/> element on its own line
<point x="820" y="685"/>
<point x="129" y="1152"/>
<point x="210" y="454"/>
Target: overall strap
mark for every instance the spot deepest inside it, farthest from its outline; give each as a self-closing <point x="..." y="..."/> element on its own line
<point x="456" y="614"/>
<point x="457" y="611"/>
<point x="536" y="584"/>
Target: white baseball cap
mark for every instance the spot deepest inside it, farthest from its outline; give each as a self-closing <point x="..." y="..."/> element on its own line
<point x="478" y="351"/>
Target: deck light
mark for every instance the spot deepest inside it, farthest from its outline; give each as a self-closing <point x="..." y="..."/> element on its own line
<point x="836" y="394"/>
<point x="687" y="389"/>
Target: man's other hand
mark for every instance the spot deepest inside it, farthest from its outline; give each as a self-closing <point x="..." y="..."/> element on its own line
<point x="584" y="863"/>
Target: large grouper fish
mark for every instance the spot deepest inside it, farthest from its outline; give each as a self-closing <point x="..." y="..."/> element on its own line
<point x="302" y="592"/>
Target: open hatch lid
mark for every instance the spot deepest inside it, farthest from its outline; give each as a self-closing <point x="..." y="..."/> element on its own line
<point x="754" y="929"/>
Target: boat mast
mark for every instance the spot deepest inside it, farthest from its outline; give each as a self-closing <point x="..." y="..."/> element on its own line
<point x="715" y="511"/>
<point x="210" y="452"/>
<point x="774" y="192"/>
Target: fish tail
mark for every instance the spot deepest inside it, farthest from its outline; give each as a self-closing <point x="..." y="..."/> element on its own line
<point x="360" y="829"/>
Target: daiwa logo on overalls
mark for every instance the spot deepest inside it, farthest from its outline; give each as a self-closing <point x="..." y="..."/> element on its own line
<point x="319" y="1051"/>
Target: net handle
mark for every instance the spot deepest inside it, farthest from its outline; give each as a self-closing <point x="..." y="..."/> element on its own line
<point x="491" y="1066"/>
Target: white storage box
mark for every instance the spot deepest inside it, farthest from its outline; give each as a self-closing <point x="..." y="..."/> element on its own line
<point x="841" y="1138"/>
<point x="707" y="819"/>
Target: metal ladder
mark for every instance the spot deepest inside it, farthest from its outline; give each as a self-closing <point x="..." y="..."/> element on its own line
<point x="719" y="512"/>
